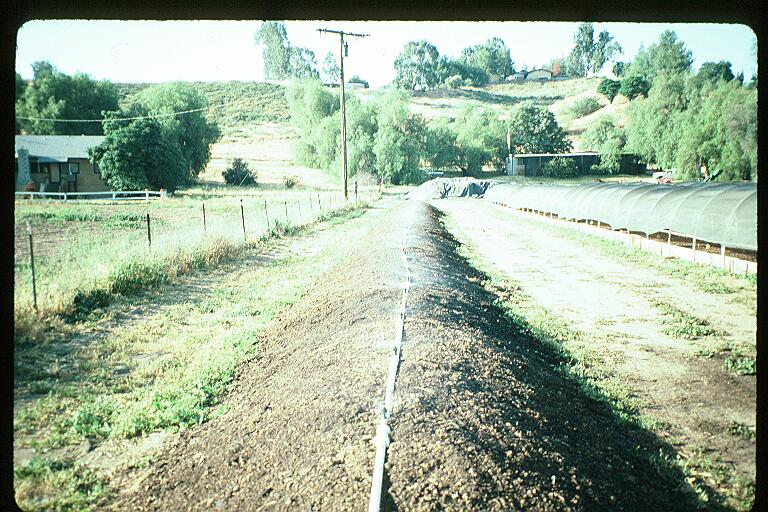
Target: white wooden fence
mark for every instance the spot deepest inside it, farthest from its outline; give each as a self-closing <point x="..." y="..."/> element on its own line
<point x="113" y="195"/>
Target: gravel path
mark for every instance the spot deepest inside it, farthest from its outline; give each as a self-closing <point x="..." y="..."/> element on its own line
<point x="483" y="416"/>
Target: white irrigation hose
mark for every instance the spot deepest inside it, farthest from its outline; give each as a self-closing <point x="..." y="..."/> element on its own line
<point x="382" y="430"/>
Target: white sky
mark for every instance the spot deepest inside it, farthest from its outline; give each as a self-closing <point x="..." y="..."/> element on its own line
<point x="157" y="51"/>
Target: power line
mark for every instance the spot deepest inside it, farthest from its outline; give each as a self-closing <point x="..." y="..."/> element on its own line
<point x="151" y="116"/>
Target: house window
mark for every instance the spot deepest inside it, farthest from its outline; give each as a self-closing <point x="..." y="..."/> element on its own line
<point x="70" y="168"/>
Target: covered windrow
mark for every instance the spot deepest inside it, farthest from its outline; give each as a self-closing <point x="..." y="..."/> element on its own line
<point x="720" y="213"/>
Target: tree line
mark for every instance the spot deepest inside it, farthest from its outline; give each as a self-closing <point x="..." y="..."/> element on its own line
<point x="385" y="138"/>
<point x="156" y="150"/>
<point x="678" y="119"/>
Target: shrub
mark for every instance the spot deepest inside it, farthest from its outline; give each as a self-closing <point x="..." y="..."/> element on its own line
<point x="609" y="88"/>
<point x="634" y="86"/>
<point x="584" y="106"/>
<point x="454" y="82"/>
<point x="560" y="167"/>
<point x="238" y="173"/>
<point x="290" y="181"/>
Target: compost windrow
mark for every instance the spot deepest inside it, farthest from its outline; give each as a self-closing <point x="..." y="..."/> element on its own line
<point x="483" y="417"/>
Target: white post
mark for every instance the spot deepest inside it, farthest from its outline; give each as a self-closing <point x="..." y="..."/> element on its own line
<point x="65" y="197"/>
<point x="146" y="195"/>
<point x="693" y="248"/>
<point x="722" y="253"/>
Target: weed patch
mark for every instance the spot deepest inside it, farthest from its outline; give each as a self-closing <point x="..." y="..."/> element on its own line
<point x="681" y="324"/>
<point x="54" y="484"/>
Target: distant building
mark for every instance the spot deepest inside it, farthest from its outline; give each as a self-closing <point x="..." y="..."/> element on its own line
<point x="539" y="74"/>
<point x="57" y="163"/>
<point x="517" y="77"/>
<point x="530" y="164"/>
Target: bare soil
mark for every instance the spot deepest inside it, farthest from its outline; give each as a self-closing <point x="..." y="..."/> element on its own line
<point x="483" y="417"/>
<point x="610" y="299"/>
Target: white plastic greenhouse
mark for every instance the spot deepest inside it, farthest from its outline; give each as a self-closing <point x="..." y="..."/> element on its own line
<point x="719" y="213"/>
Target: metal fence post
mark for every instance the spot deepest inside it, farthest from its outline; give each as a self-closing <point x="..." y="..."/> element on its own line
<point x="319" y="204"/>
<point x="149" y="232"/>
<point x="286" y="212"/>
<point x="205" y="227"/>
<point x="356" y="192"/>
<point x="32" y="263"/>
<point x="242" y="217"/>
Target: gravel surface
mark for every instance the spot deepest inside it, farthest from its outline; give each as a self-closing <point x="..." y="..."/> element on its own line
<point x="483" y="416"/>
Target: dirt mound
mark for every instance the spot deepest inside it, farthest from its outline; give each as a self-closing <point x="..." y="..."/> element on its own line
<point x="484" y="417"/>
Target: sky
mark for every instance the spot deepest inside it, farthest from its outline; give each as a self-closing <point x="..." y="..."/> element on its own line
<point x="158" y="51"/>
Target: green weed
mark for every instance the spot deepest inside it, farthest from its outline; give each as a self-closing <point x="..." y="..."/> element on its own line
<point x="681" y="324"/>
<point x="740" y="365"/>
<point x="55" y="484"/>
<point x="742" y="430"/>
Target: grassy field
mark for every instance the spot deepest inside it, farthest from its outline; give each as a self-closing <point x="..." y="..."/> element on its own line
<point x="154" y="358"/>
<point x="85" y="253"/>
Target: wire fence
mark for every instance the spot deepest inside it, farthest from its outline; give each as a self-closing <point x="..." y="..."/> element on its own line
<point x="56" y="259"/>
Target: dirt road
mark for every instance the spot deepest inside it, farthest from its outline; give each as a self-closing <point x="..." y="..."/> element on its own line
<point x="484" y="417"/>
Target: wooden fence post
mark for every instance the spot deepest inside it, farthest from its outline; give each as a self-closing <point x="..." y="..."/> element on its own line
<point x="32" y="263"/>
<point x="205" y="227"/>
<point x="149" y="232"/>
<point x="266" y="214"/>
<point x="242" y="217"/>
<point x="319" y="204"/>
<point x="301" y="217"/>
<point x="286" y="212"/>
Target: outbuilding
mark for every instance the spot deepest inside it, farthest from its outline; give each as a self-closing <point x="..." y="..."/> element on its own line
<point x="530" y="164"/>
<point x="539" y="74"/>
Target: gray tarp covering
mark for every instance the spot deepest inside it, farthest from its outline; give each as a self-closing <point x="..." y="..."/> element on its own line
<point x="714" y="212"/>
<point x="440" y="188"/>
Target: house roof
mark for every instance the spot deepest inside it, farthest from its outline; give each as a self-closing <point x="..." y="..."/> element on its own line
<point x="577" y="153"/>
<point x="580" y="153"/>
<point x="57" y="148"/>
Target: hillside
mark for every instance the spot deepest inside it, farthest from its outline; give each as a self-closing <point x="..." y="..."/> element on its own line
<point x="254" y="117"/>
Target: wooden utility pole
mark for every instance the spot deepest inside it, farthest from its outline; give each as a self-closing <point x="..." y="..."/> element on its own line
<point x="342" y="52"/>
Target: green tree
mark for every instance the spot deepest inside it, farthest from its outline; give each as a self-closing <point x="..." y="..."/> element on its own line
<point x="609" y="88"/>
<point x="480" y="139"/>
<point x="589" y="55"/>
<point x="440" y="149"/>
<point x="619" y="68"/>
<point x="416" y="67"/>
<point x="654" y="123"/>
<point x="714" y="71"/>
<point x="239" y="173"/>
<point x="310" y="104"/>
<point x="667" y="56"/>
<point x="400" y="140"/>
<point x="55" y="95"/>
<point x="192" y="133"/>
<point x="302" y="63"/>
<point x="355" y="79"/>
<point x="534" y="129"/>
<point x="330" y="68"/>
<point x="138" y="156"/>
<point x="276" y="49"/>
<point x="719" y="129"/>
<point x="453" y="73"/>
<point x="607" y="139"/>
<point x="492" y="57"/>
<point x="633" y="86"/>
<point x="21" y="84"/>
